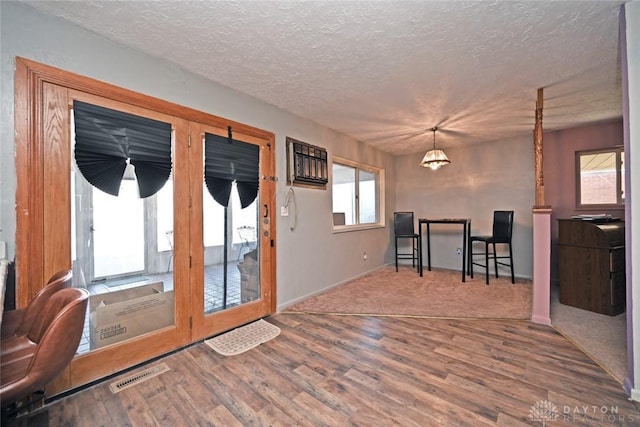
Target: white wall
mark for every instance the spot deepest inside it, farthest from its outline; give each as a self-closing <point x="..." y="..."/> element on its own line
<point x="480" y="179"/>
<point x="309" y="258"/>
<point x="632" y="155"/>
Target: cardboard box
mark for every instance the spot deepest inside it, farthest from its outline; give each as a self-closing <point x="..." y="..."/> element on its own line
<point x="120" y="315"/>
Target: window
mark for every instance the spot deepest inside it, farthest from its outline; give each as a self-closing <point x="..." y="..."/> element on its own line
<point x="357" y="194"/>
<point x="599" y="180"/>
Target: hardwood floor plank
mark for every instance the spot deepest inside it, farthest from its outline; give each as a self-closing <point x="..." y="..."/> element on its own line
<point x="276" y="387"/>
<point x="240" y="409"/>
<point x="295" y="415"/>
<point x="502" y="402"/>
<point x="523" y="391"/>
<point x="274" y="417"/>
<point x="393" y="408"/>
<point x="139" y="413"/>
<point x="252" y="400"/>
<point x="366" y="406"/>
<point x="330" y="416"/>
<point x="400" y="376"/>
<point x="486" y="361"/>
<point x="187" y="408"/>
<point x="69" y="414"/>
<point x="313" y="390"/>
<point x="105" y="408"/>
<point x="221" y="416"/>
<point x="315" y="356"/>
<point x="425" y="396"/>
<point x="188" y="378"/>
<point x="116" y="411"/>
<point x="506" y="420"/>
<point x="325" y="370"/>
<point x="164" y="411"/>
<point x="261" y="377"/>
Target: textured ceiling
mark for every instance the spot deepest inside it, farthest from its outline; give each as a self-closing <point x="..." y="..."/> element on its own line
<point x="385" y="72"/>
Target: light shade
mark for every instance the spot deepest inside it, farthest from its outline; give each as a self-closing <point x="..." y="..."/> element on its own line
<point x="434" y="158"/>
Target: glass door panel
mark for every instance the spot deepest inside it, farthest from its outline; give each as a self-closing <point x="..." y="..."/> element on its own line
<point x="118" y="232"/>
<point x="230" y="195"/>
<point x="229" y="246"/>
<point x="216" y="283"/>
<point x="231" y="265"/>
<point x="244" y="226"/>
<point x="122" y="251"/>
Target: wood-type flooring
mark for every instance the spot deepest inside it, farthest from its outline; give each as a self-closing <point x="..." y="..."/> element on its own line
<point x="330" y="370"/>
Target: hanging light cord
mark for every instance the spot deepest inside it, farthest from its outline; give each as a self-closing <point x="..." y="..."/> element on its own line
<point x="434" y="129"/>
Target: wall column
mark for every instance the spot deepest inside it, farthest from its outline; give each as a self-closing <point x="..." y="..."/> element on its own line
<point x="541" y="304"/>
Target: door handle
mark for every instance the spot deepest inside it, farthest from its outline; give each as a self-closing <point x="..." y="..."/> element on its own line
<point x="266" y="211"/>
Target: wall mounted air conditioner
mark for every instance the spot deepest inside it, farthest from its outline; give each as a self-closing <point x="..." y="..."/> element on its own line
<point x="306" y="164"/>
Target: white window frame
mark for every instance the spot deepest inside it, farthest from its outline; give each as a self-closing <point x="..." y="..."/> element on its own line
<point x="380" y="208"/>
<point x="618" y="151"/>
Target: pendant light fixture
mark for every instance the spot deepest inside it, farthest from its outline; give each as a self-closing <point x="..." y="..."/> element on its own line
<point x="434" y="158"/>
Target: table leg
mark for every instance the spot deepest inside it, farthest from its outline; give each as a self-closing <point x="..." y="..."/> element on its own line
<point x="420" y="251"/>
<point x="428" y="248"/>
<point x="469" y="260"/>
<point x="464" y="250"/>
<point x="420" y="248"/>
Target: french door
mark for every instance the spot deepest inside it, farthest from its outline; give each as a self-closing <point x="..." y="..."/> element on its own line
<point x="225" y="166"/>
<point x="173" y="249"/>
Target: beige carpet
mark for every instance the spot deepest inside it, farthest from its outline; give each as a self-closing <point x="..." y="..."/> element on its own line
<point x="602" y="337"/>
<point x="440" y="293"/>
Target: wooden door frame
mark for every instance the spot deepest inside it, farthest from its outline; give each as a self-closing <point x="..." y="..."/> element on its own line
<point x="41" y="250"/>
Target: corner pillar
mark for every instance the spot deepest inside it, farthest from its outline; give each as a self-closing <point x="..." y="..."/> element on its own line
<point x="541" y="304"/>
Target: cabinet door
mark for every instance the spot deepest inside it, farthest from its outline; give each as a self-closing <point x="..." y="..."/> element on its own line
<point x="617" y="291"/>
<point x="576" y="278"/>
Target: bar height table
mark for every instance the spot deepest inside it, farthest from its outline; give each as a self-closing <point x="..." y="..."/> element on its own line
<point x="466" y="231"/>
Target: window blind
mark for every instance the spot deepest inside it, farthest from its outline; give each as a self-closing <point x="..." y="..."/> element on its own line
<point x="107" y="139"/>
<point x="228" y="160"/>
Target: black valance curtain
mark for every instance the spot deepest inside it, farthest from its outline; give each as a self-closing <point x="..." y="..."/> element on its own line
<point x="106" y="139"/>
<point x="227" y="160"/>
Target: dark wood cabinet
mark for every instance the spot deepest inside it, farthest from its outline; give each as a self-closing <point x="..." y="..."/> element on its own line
<point x="592" y="265"/>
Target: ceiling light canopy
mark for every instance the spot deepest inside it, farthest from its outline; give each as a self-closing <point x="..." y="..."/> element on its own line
<point x="434" y="158"/>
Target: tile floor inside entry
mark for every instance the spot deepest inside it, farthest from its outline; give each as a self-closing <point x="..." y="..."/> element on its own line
<point x="213" y="293"/>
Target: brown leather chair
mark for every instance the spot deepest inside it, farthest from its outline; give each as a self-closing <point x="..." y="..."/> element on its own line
<point x="48" y="348"/>
<point x="18" y="322"/>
